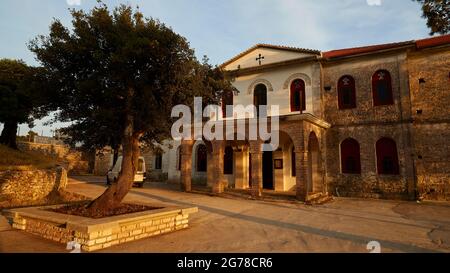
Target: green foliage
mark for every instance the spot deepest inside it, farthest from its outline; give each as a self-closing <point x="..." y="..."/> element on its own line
<point x="117" y="63"/>
<point x="15" y="101"/>
<point x="437" y="13"/>
<point x="23" y="97"/>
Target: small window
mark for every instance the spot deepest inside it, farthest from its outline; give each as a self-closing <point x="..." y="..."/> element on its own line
<point x="158" y="162"/>
<point x="228" y="160"/>
<point x="346" y="93"/>
<point x="227" y="99"/>
<point x="298" y="98"/>
<point x="382" y="88"/>
<point x="260" y="98"/>
<point x="387" y="158"/>
<point x="350" y="157"/>
<point x="201" y="158"/>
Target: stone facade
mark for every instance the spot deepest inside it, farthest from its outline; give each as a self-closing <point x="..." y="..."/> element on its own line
<point x="96" y="234"/>
<point x="366" y="124"/>
<point x="417" y="122"/>
<point x="23" y="187"/>
<point x="429" y="78"/>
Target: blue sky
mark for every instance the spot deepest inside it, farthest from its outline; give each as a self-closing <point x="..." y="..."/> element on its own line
<point x="222" y="29"/>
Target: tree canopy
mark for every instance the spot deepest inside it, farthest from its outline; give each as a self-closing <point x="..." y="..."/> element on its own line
<point x="118" y="73"/>
<point x="437" y="13"/>
<point x="22" y="97"/>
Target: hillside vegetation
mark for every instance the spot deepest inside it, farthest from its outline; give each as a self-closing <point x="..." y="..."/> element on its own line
<point x="11" y="159"/>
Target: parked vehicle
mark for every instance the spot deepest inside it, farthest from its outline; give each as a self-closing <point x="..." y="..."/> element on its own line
<point x="139" y="177"/>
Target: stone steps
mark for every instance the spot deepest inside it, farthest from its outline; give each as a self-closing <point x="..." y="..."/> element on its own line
<point x="318" y="198"/>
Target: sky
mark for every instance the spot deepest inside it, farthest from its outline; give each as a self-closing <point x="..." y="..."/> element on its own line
<point x="223" y="29"/>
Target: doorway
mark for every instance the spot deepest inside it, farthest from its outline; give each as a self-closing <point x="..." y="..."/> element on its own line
<point x="268" y="170"/>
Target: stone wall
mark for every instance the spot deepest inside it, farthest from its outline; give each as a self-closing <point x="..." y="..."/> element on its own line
<point x="96" y="234"/>
<point x="24" y="187"/>
<point x="103" y="161"/>
<point x="418" y="122"/>
<point x="429" y="77"/>
<point x="367" y="124"/>
<point x="75" y="161"/>
<point x="369" y="183"/>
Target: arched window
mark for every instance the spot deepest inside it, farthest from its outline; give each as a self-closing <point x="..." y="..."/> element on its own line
<point x="293" y="169"/>
<point x="228" y="160"/>
<point x="387" y="158"/>
<point x="298" y="98"/>
<point x="382" y="88"/>
<point x="158" y="161"/>
<point x="350" y="156"/>
<point x="260" y="98"/>
<point x="227" y="99"/>
<point x="201" y="158"/>
<point x="346" y="92"/>
<point x="179" y="158"/>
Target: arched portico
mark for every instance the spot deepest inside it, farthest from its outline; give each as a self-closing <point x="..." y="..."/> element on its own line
<point x="294" y="166"/>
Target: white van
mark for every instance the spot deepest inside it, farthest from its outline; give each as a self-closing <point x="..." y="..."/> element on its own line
<point x="139" y="177"/>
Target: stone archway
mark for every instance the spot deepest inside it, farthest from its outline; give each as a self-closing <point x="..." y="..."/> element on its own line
<point x="240" y="179"/>
<point x="314" y="175"/>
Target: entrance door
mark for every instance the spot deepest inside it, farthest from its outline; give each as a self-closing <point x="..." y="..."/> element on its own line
<point x="268" y="170"/>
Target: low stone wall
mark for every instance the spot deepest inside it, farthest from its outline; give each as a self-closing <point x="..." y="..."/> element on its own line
<point x="367" y="186"/>
<point x="73" y="159"/>
<point x="22" y="187"/>
<point x="95" y="234"/>
<point x="434" y="187"/>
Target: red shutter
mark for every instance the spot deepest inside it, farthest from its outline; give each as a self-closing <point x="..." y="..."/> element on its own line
<point x="382" y="78"/>
<point x="350" y="156"/>
<point x="387" y="157"/>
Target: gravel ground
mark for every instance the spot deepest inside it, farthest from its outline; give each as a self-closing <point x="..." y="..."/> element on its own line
<point x="232" y="224"/>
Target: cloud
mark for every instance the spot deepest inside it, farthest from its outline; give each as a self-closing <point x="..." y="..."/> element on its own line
<point x="73" y="2"/>
<point x="374" y="2"/>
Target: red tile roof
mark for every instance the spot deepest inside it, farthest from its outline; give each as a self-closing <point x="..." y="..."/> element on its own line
<point x="419" y="44"/>
<point x="434" y="41"/>
<point x="361" y="50"/>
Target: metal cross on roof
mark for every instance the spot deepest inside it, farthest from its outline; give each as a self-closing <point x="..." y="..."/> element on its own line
<point x="260" y="58"/>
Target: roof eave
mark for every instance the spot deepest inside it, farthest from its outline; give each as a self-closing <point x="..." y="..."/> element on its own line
<point x="356" y="55"/>
<point x="286" y="48"/>
<point x="250" y="70"/>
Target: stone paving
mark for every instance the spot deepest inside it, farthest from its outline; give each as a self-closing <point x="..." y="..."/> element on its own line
<point x="233" y="224"/>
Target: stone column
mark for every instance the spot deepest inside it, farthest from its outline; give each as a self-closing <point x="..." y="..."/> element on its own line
<point x="217" y="161"/>
<point x="240" y="168"/>
<point x="186" y="165"/>
<point x="301" y="165"/>
<point x="257" y="180"/>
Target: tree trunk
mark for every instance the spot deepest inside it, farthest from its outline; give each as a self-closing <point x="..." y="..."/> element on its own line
<point x="114" y="195"/>
<point x="9" y="133"/>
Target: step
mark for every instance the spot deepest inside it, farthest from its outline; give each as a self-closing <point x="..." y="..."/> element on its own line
<point x="312" y="196"/>
<point x="320" y="200"/>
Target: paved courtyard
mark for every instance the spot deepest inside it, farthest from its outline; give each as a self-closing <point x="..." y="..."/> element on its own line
<point x="232" y="224"/>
